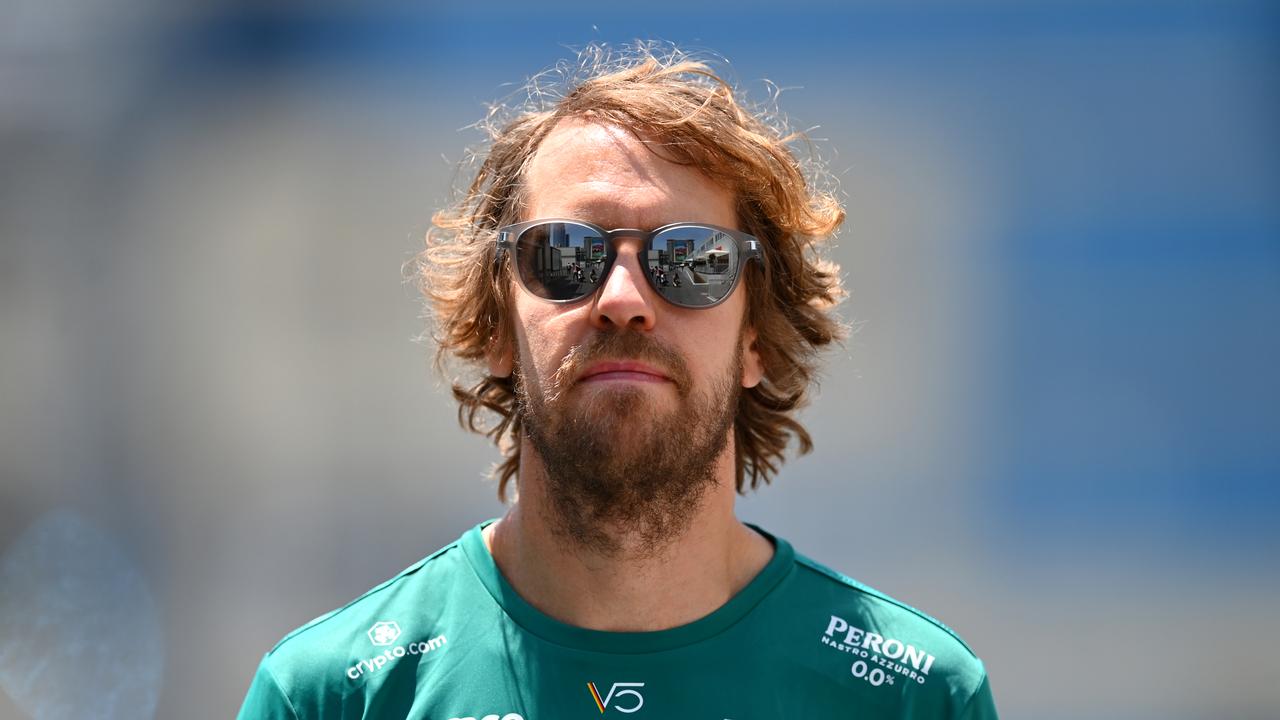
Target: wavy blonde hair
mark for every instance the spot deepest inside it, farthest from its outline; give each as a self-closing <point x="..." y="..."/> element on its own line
<point x="676" y="100"/>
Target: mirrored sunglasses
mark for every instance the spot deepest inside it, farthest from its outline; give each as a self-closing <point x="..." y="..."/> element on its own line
<point x="691" y="265"/>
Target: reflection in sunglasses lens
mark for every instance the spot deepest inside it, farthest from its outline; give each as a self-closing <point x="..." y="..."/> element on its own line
<point x="691" y="266"/>
<point x="561" y="261"/>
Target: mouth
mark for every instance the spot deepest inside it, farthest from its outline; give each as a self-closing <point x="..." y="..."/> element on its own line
<point x="623" y="371"/>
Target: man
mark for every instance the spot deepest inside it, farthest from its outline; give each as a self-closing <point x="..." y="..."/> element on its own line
<point x="631" y="412"/>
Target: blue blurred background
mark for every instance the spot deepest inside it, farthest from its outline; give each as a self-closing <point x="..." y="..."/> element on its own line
<point x="1055" y="427"/>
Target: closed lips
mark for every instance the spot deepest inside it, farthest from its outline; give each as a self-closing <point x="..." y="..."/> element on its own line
<point x="624" y="371"/>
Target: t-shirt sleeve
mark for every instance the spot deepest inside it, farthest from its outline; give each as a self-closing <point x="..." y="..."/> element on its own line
<point x="981" y="706"/>
<point x="266" y="700"/>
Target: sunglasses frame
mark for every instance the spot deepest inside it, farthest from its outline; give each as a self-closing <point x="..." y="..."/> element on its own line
<point x="749" y="248"/>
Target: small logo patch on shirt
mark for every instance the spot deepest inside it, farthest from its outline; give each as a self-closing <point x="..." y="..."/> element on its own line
<point x="883" y="658"/>
<point x="384" y="633"/>
<point x="618" y="691"/>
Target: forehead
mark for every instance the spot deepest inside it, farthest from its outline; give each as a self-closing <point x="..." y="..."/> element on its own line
<point x="606" y="175"/>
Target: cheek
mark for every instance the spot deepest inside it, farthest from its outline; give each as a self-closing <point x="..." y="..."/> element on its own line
<point x="542" y="333"/>
<point x="713" y="343"/>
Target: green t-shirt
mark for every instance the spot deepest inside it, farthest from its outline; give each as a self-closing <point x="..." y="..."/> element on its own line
<point x="450" y="639"/>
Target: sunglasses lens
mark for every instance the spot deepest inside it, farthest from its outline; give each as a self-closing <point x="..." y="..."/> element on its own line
<point x="693" y="265"/>
<point x="561" y="260"/>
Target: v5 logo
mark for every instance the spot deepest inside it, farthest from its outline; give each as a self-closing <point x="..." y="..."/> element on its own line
<point x="616" y="693"/>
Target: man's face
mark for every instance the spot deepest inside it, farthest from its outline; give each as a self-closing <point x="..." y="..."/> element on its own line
<point x="628" y="400"/>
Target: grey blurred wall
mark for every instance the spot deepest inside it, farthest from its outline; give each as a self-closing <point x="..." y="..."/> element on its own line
<point x="1054" y="427"/>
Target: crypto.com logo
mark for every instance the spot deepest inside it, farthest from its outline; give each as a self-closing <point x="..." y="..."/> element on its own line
<point x="615" y="694"/>
<point x="384" y="633"/>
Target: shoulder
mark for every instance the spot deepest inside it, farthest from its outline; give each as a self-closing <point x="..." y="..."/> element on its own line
<point x="394" y="610"/>
<point x="866" y="639"/>
<point x="859" y="611"/>
<point x="328" y="658"/>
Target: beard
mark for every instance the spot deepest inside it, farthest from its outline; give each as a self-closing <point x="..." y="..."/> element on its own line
<point x="619" y="466"/>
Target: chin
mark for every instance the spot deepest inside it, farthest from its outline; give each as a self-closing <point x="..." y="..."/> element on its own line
<point x="624" y="402"/>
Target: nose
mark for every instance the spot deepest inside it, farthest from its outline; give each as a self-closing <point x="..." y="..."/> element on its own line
<point x="625" y="299"/>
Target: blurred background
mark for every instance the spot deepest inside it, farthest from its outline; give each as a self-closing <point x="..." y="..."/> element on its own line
<point x="1055" y="427"/>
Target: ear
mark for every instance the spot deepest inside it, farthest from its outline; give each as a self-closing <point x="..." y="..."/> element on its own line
<point x="752" y="368"/>
<point x="500" y="357"/>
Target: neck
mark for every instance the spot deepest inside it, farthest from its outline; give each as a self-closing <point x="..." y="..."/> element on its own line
<point x="635" y="586"/>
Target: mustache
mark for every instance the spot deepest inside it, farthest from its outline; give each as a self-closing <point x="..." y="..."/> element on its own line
<point x="626" y="345"/>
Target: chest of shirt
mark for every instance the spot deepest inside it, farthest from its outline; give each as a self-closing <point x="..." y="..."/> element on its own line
<point x="513" y="676"/>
